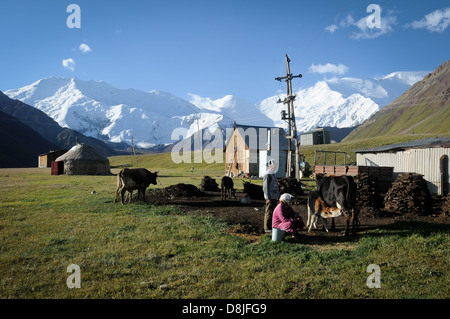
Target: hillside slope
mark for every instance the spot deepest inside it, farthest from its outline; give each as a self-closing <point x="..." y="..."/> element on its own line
<point x="20" y="144"/>
<point x="423" y="109"/>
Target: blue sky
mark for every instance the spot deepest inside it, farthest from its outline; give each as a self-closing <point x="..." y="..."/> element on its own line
<point x="218" y="47"/>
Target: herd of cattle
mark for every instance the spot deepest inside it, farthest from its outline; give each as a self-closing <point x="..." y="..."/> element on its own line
<point x="334" y="195"/>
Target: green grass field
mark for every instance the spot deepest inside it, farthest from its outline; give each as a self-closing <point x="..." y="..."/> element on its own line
<point x="145" y="251"/>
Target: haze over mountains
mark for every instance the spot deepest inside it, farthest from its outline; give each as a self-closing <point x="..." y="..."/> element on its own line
<point x="423" y="109"/>
<point x="97" y="109"/>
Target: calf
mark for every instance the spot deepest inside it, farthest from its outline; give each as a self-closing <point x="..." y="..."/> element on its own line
<point x="130" y="179"/>
<point x="342" y="190"/>
<point x="317" y="207"/>
<point x="227" y="188"/>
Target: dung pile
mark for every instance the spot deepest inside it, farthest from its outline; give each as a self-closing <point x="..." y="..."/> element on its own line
<point x="182" y="190"/>
<point x="409" y="194"/>
<point x="209" y="184"/>
<point x="253" y="191"/>
<point x="367" y="197"/>
<point x="290" y="185"/>
<point x="446" y="205"/>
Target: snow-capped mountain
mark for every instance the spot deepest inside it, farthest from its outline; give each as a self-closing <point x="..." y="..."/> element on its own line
<point x="101" y="110"/>
<point x="341" y="102"/>
<point x="320" y="106"/>
<point x="150" y="117"/>
<point x="241" y="111"/>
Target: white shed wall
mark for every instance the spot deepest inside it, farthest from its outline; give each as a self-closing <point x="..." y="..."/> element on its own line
<point x="421" y="161"/>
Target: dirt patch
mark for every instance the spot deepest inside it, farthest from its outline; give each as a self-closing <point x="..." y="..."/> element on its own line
<point x="246" y="220"/>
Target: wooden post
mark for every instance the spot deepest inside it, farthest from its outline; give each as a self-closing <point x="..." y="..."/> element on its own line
<point x="132" y="146"/>
<point x="292" y="138"/>
<point x="444" y="175"/>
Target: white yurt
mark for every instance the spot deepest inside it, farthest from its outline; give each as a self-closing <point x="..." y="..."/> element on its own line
<point x="84" y="160"/>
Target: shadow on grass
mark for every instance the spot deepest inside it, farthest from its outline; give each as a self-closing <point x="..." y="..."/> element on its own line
<point x="398" y="228"/>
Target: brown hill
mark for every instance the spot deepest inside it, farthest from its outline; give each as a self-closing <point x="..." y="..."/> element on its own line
<point x="423" y="109"/>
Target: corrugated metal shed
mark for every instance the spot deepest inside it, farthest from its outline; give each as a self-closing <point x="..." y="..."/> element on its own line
<point x="424" y="143"/>
<point x="421" y="157"/>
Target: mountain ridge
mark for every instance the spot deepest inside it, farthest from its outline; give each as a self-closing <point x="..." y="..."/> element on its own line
<point x="97" y="109"/>
<point x="47" y="128"/>
<point x="423" y="109"/>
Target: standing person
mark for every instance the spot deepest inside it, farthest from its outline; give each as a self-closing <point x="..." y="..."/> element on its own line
<point x="284" y="217"/>
<point x="271" y="194"/>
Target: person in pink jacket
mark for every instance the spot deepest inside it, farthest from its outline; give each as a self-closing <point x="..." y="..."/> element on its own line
<point x="284" y="217"/>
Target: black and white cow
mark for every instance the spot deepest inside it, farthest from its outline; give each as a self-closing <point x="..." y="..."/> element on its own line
<point x="341" y="190"/>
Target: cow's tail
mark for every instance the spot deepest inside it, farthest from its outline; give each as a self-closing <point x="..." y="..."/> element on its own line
<point x="351" y="191"/>
<point x="119" y="184"/>
<point x="351" y="199"/>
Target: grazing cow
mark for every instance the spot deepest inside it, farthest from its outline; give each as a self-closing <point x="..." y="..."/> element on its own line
<point x="317" y="207"/>
<point x="227" y="188"/>
<point x="342" y="190"/>
<point x="130" y="179"/>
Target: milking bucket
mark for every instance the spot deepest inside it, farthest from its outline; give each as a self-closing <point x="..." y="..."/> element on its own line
<point x="278" y="234"/>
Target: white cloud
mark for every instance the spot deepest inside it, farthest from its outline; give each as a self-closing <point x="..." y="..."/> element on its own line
<point x="84" y="48"/>
<point x="348" y="21"/>
<point x="371" y="33"/>
<point x="69" y="64"/>
<point x="436" y="21"/>
<point x="328" y="68"/>
<point x="387" y="20"/>
<point x="331" y="28"/>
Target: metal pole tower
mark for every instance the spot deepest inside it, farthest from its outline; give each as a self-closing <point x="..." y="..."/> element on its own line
<point x="290" y="118"/>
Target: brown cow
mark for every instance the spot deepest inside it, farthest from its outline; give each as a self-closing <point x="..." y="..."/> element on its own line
<point x="130" y="179"/>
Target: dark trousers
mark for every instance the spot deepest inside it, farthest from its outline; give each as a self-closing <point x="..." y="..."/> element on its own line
<point x="270" y="206"/>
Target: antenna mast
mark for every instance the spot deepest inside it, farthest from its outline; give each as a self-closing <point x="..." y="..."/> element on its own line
<point x="290" y="119"/>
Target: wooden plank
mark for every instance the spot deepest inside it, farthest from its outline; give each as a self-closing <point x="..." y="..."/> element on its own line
<point x="353" y="170"/>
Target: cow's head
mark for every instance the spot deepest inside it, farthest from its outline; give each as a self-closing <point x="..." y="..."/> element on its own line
<point x="153" y="177"/>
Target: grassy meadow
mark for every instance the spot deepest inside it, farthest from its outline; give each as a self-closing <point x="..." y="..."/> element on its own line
<point x="146" y="251"/>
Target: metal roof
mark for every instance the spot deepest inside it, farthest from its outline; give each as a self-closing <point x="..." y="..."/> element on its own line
<point x="424" y="143"/>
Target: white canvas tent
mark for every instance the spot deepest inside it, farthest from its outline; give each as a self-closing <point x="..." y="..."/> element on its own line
<point x="84" y="160"/>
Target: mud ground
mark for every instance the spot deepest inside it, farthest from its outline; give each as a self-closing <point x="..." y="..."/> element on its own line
<point x="247" y="219"/>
